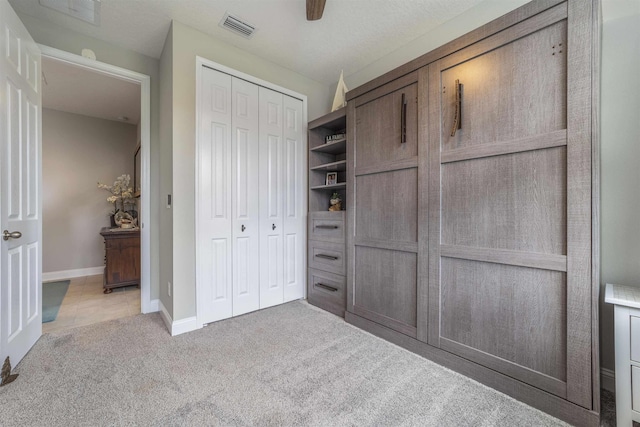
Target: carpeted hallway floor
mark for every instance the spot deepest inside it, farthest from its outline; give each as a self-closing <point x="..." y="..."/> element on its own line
<point x="287" y="365"/>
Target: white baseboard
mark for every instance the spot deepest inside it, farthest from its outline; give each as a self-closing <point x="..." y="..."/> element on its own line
<point x="152" y="307"/>
<point x="165" y="317"/>
<point x="179" y="326"/>
<point x="70" y="274"/>
<point x="608" y="379"/>
<point x="184" y="325"/>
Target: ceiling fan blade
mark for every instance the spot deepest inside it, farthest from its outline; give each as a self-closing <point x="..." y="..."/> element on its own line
<point x="315" y="9"/>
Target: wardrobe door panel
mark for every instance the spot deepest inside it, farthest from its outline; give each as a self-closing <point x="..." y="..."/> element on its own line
<point x="386" y="240"/>
<point x="385" y="287"/>
<point x="380" y="126"/>
<point x="514" y="201"/>
<point x="509" y="258"/>
<point x="515" y="314"/>
<point x="524" y="96"/>
<point x="388" y="206"/>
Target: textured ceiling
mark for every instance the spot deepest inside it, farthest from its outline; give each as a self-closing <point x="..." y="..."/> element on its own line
<point x="351" y="34"/>
<point x="77" y="90"/>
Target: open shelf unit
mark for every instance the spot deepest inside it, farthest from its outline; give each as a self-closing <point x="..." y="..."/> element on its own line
<point x="325" y="158"/>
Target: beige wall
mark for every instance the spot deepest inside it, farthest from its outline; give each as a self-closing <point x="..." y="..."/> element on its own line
<point x="620" y="161"/>
<point x="186" y="44"/>
<point x="55" y="36"/>
<point x="78" y="151"/>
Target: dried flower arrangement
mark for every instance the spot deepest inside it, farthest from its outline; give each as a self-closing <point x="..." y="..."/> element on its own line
<point x="121" y="193"/>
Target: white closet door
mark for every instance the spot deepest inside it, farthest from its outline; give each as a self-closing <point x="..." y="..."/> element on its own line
<point x="245" y="203"/>
<point x="271" y="199"/>
<point x="295" y="205"/>
<point x="215" y="251"/>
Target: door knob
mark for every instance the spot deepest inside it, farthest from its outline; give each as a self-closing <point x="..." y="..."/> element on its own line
<point x="13" y="235"/>
<point x="273" y="226"/>
<point x="242" y="227"/>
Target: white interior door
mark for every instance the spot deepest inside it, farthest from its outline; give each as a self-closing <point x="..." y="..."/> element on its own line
<point x="20" y="208"/>
<point x="295" y="204"/>
<point x="271" y="199"/>
<point x="245" y="203"/>
<point x="214" y="240"/>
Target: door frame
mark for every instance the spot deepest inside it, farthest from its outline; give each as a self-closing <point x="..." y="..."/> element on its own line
<point x="146" y="304"/>
<point x="203" y="62"/>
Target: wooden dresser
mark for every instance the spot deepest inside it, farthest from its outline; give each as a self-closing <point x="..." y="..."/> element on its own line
<point x="122" y="258"/>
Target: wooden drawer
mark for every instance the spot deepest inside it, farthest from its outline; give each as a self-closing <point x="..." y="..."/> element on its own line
<point x="635" y="339"/>
<point x="327" y="291"/>
<point x="327" y="256"/>
<point x="327" y="226"/>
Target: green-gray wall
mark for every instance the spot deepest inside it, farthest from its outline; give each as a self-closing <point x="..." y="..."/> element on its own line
<point x="620" y="157"/>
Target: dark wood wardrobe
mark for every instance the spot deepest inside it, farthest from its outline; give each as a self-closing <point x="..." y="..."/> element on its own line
<point x="472" y="228"/>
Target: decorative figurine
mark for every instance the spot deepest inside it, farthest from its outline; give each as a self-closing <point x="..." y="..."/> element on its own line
<point x="336" y="203"/>
<point x="5" y="375"/>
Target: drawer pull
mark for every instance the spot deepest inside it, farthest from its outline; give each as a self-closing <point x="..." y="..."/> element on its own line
<point x="323" y="256"/>
<point x="331" y="227"/>
<point x="327" y="287"/>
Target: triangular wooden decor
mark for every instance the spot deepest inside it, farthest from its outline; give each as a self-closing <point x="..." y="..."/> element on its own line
<point x="340" y="99"/>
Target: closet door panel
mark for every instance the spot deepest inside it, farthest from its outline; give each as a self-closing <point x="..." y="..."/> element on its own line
<point x="294" y="202"/>
<point x="271" y="198"/>
<point x="245" y="202"/>
<point x="214" y="239"/>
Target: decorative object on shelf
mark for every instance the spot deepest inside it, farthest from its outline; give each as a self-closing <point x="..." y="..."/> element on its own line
<point x="332" y="178"/>
<point x="335" y="202"/>
<point x="340" y="99"/>
<point x="121" y="197"/>
<point x="335" y="137"/>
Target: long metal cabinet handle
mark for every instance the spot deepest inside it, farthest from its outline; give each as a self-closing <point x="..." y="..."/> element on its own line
<point x="332" y="227"/>
<point x="403" y="120"/>
<point x="333" y="258"/>
<point x="327" y="287"/>
<point x="457" y="118"/>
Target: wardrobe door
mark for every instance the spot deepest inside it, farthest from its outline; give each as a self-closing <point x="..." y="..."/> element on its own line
<point x="244" y="194"/>
<point x="215" y="221"/>
<point x="509" y="203"/>
<point x="271" y="199"/>
<point x="294" y="160"/>
<point x="384" y="230"/>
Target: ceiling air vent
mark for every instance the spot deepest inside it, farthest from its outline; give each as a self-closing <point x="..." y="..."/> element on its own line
<point x="237" y="25"/>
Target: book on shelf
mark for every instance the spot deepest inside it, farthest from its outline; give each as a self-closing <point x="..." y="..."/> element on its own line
<point x="334" y="137"/>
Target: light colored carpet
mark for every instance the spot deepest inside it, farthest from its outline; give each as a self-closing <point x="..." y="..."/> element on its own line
<point x="287" y="365"/>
